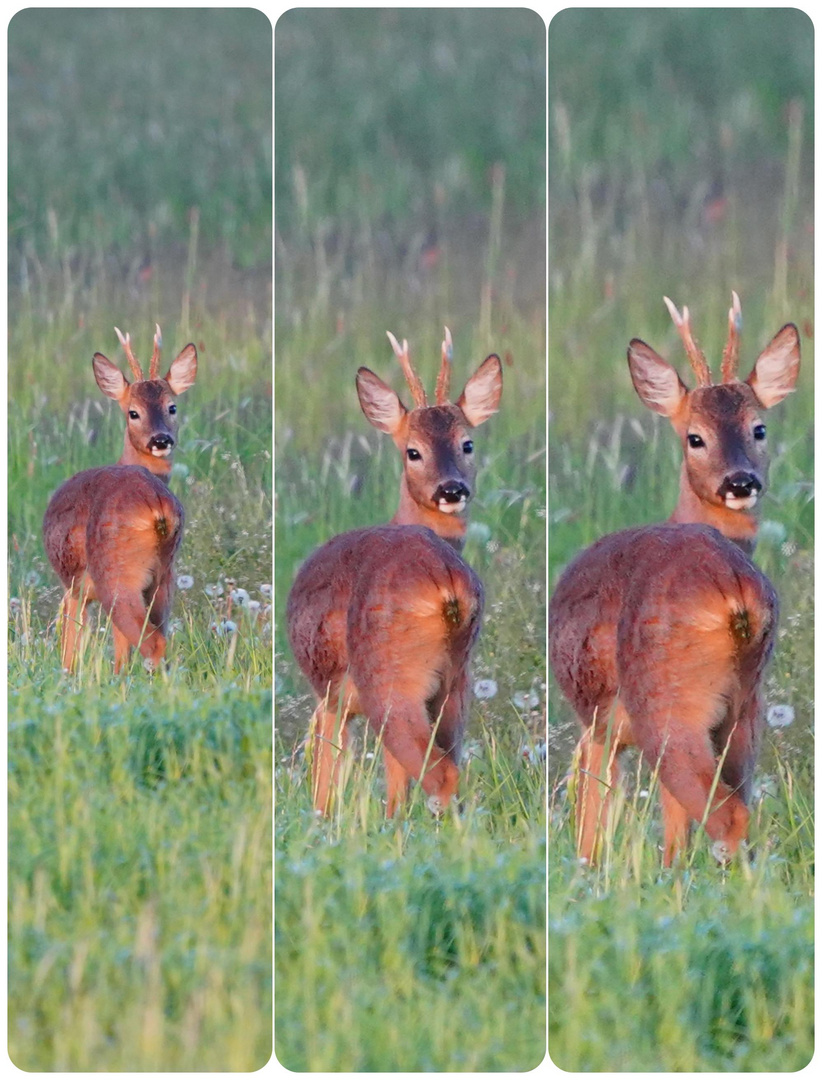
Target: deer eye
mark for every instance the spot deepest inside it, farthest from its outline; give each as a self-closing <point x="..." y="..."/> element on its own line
<point x="468" y="447"/>
<point x="133" y="414"/>
<point x="760" y="431"/>
<point x="695" y="441"/>
<point x="413" y="455"/>
<point x="172" y="409"/>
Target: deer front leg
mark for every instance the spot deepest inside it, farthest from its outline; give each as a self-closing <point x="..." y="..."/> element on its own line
<point x="71" y="626"/>
<point x="329" y="743"/>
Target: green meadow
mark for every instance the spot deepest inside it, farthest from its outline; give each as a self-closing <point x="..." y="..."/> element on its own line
<point x="681" y="168"/>
<point x="140" y="874"/>
<point x="410" y="197"/>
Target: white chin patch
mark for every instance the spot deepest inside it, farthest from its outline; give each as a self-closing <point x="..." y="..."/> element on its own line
<point x="733" y="503"/>
<point x="451" y="508"/>
<point x="160" y="453"/>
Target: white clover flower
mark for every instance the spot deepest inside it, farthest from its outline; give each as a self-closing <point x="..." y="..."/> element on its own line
<point x="484" y="689"/>
<point x="780" y="715"/>
<point x="185" y="581"/>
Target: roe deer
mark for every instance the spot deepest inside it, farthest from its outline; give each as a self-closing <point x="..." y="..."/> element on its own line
<point x="111" y="533"/>
<point x="382" y="620"/>
<point x="660" y="635"/>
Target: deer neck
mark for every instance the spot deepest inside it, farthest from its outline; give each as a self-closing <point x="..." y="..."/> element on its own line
<point x="160" y="466"/>
<point x="740" y="526"/>
<point x="450" y="527"/>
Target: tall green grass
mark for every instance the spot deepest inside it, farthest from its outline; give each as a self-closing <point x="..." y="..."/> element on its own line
<point x="676" y="176"/>
<point x="412" y="944"/>
<point x="398" y="943"/>
<point x="140" y="807"/>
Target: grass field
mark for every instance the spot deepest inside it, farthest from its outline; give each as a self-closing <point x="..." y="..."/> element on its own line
<point x="397" y="944"/>
<point x="705" y="189"/>
<point x="412" y="945"/>
<point x="140" y="873"/>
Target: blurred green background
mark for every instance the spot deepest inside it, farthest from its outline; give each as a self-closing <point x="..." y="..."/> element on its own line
<point x="121" y="121"/>
<point x="681" y="164"/>
<point x="386" y="112"/>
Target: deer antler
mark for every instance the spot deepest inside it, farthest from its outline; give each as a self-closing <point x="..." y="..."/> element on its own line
<point x="132" y="359"/>
<point x="411" y="377"/>
<point x="154" y="366"/>
<point x="444" y="377"/>
<point x="697" y="360"/>
<point x="730" y="356"/>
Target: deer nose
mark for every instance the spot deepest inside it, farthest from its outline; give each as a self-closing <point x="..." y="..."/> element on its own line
<point x="452" y="491"/>
<point x="740" y="485"/>
<point x="163" y="441"/>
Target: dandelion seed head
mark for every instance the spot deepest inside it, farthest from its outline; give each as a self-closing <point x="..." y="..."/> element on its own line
<point x="780" y="716"/>
<point x="485" y="689"/>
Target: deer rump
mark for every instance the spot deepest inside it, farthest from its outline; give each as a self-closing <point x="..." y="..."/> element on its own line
<point x="390" y="637"/>
<point x="120" y="525"/>
<point x="674" y="624"/>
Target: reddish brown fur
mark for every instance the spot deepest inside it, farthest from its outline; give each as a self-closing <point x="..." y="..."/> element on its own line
<point x="382" y="620"/>
<point x="653" y="657"/>
<point x="111" y="533"/>
<point x="660" y="635"/>
<point x="389" y="637"/>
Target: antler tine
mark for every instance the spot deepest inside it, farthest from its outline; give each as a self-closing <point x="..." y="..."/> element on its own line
<point x="730" y="356"/>
<point x="411" y="377"/>
<point x="132" y="359"/>
<point x="154" y="366"/>
<point x="444" y="377"/>
<point x="695" y="357"/>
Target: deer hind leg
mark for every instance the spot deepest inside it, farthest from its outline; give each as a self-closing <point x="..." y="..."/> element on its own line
<point x="71" y="626"/>
<point x="396" y="783"/>
<point x="329" y="743"/>
<point x="129" y="617"/>
<point x="598" y="753"/>
<point x="677" y="826"/>
<point x="151" y="638"/>
<point x="407" y="737"/>
<point x="687" y="769"/>
<point x="447" y="713"/>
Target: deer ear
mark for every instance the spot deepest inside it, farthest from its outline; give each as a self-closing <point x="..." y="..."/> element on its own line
<point x="657" y="383"/>
<point x="382" y="408"/>
<point x="481" y="396"/>
<point x="183" y="371"/>
<point x="777" y="367"/>
<point x="109" y="378"/>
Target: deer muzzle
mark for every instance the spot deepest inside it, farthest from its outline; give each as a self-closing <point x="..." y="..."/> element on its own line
<point x="161" y="444"/>
<point x="452" y="496"/>
<point x="740" y="490"/>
